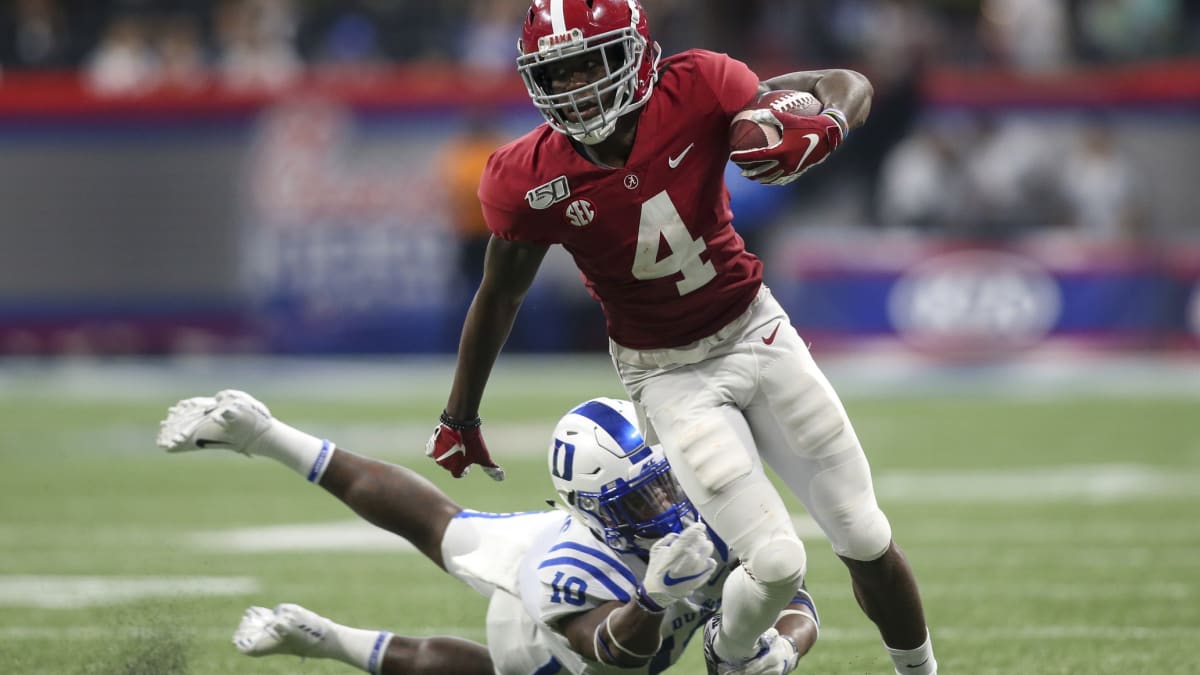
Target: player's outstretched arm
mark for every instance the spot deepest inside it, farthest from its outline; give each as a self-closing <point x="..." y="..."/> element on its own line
<point x="508" y="271"/>
<point x="780" y="647"/>
<point x="798" y="627"/>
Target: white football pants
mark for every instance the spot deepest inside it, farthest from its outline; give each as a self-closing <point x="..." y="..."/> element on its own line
<point x="749" y="391"/>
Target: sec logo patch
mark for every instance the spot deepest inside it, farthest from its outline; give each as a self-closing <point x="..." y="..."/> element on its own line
<point x="580" y="213"/>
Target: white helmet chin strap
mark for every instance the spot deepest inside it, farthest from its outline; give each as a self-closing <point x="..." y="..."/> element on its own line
<point x="597" y="135"/>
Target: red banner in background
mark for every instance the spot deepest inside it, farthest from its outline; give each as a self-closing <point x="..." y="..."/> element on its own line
<point x="1168" y="82"/>
<point x="66" y="94"/>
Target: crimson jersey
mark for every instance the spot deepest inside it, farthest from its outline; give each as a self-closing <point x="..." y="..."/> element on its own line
<point x="654" y="239"/>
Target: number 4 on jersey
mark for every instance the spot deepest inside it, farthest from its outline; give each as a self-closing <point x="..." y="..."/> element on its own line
<point x="661" y="222"/>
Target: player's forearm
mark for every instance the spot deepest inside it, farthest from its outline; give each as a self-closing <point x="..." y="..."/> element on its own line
<point x="486" y="328"/>
<point x="798" y="624"/>
<point x="629" y="636"/>
<point x="847" y="90"/>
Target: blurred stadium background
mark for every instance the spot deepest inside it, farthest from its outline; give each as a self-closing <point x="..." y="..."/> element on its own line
<point x="1000" y="272"/>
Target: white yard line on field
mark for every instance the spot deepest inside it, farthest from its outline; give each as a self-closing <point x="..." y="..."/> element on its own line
<point x="1062" y="590"/>
<point x="1092" y="483"/>
<point x="1039" y="375"/>
<point x="70" y="592"/>
<point x="981" y="634"/>
<point x="349" y="535"/>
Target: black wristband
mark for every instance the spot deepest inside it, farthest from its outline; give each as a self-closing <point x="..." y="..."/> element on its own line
<point x="456" y="425"/>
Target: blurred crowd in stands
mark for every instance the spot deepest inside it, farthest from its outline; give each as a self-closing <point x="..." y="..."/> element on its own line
<point x="981" y="178"/>
<point x="268" y="40"/>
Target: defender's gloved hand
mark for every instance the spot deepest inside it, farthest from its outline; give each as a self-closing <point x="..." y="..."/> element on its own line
<point x="778" y="656"/>
<point x="679" y="564"/>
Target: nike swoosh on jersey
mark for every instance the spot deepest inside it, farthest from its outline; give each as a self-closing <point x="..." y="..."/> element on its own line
<point x="813" y="140"/>
<point x="674" y="161"/>
<point x="672" y="581"/>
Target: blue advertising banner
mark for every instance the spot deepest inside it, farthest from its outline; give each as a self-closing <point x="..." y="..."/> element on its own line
<point x="959" y="300"/>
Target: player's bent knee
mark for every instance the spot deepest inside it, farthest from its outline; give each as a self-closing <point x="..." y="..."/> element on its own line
<point x="780" y="561"/>
<point x="867" y="538"/>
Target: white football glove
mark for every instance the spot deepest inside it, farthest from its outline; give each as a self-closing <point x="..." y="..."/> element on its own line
<point x="679" y="564"/>
<point x="779" y="658"/>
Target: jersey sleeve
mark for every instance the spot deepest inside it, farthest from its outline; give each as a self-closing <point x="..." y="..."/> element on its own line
<point x="576" y="576"/>
<point x="504" y="202"/>
<point x="732" y="82"/>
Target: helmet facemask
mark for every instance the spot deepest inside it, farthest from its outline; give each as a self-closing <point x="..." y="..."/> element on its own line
<point x="634" y="514"/>
<point x="589" y="112"/>
<point x="615" y="484"/>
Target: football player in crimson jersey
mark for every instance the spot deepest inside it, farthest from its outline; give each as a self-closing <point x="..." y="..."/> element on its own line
<point x="627" y="175"/>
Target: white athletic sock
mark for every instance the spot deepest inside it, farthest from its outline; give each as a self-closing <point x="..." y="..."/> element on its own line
<point x="917" y="661"/>
<point x="748" y="609"/>
<point x="303" y="453"/>
<point x="358" y="647"/>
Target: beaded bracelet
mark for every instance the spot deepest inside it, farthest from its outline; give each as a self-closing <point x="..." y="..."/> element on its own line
<point x="454" y="424"/>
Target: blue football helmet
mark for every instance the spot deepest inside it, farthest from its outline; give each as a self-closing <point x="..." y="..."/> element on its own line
<point x="614" y="483"/>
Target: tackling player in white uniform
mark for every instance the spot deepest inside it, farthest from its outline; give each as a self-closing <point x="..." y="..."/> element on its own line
<point x="619" y="581"/>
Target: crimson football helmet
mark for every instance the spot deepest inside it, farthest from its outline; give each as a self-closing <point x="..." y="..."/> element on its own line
<point x="611" y="481"/>
<point x="609" y="36"/>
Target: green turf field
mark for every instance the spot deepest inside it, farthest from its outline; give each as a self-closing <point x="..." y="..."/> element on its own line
<point x="1051" y="534"/>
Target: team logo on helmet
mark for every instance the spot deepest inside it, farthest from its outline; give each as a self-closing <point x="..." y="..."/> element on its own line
<point x="612" y="481"/>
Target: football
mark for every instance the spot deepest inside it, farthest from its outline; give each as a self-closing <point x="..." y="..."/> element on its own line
<point x="751" y="128"/>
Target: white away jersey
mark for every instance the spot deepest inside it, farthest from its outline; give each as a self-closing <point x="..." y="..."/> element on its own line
<point x="576" y="572"/>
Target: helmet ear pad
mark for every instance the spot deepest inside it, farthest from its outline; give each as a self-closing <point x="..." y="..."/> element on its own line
<point x="611" y="481"/>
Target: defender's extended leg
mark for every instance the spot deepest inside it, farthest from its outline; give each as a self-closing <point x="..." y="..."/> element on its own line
<point x="292" y="629"/>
